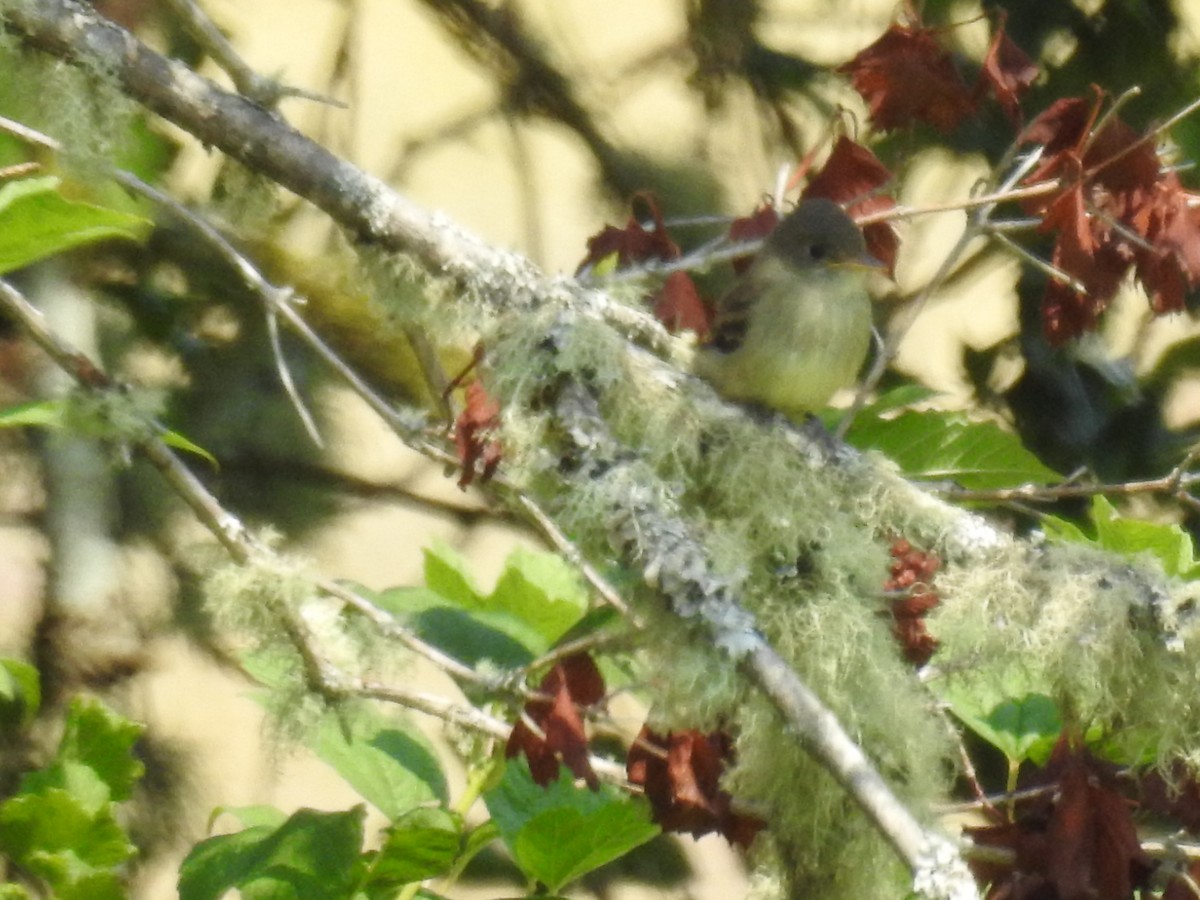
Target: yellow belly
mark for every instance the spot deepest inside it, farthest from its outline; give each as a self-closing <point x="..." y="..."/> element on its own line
<point x="807" y="337"/>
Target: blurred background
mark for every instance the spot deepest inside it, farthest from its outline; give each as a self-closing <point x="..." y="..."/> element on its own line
<point x="531" y="124"/>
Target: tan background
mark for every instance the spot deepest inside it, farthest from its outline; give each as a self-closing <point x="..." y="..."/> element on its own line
<point x="533" y="191"/>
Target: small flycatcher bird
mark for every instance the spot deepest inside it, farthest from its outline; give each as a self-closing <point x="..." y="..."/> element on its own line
<point x="797" y="325"/>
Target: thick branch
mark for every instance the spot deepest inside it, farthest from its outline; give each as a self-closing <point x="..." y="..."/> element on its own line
<point x="654" y="541"/>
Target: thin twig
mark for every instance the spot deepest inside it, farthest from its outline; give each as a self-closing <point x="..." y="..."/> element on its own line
<point x="1174" y="484"/>
<point x="1036" y="261"/>
<point x="976" y="225"/>
<point x="259" y="88"/>
<point x="285" y="378"/>
<point x="225" y="526"/>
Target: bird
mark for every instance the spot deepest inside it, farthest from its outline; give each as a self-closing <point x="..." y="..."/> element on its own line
<point x="796" y="326"/>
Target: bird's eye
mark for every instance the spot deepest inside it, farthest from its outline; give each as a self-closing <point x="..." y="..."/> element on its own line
<point x="817" y="252"/>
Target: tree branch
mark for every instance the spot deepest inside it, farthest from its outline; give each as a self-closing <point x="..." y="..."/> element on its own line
<point x="633" y="500"/>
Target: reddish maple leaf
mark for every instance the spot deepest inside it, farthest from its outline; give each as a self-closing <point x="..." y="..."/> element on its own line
<point x="1060" y="126"/>
<point x="854" y="175"/>
<point x="475" y="434"/>
<point x="679" y="307"/>
<point x="571" y="685"/>
<point x="1171" y="266"/>
<point x="1076" y="841"/>
<point x="1007" y="71"/>
<point x="676" y="303"/>
<point x="633" y="243"/>
<point x="755" y="226"/>
<point x="906" y="76"/>
<point x="681" y="773"/>
<point x="1115" y="208"/>
<point x="1176" y="796"/>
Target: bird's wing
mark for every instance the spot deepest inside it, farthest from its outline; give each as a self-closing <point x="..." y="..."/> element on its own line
<point x="731" y="316"/>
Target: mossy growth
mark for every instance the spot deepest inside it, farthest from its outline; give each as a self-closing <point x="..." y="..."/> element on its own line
<point x="1063" y="621"/>
<point x="802" y="553"/>
<point x="254" y="599"/>
<point x="78" y="104"/>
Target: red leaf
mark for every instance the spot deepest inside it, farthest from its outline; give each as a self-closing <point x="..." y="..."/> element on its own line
<point x="681" y="775"/>
<point x="1172" y="267"/>
<point x="1095" y="850"/>
<point x="633" y="243"/>
<point x="1066" y="313"/>
<point x="906" y="76"/>
<point x="757" y="225"/>
<point x="1059" y="127"/>
<point x="1119" y="159"/>
<point x="1008" y="71"/>
<point x="1111" y="176"/>
<point x="474" y="435"/>
<point x="1076" y="841"/>
<point x="573" y="683"/>
<point x="852" y="172"/>
<point x="1179" y="798"/>
<point x="679" y="307"/>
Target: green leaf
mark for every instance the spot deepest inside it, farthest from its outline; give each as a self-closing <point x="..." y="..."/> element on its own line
<point x="250" y="816"/>
<point x="942" y="446"/>
<point x="392" y="769"/>
<point x="447" y="575"/>
<point x="179" y="442"/>
<point x="1170" y="544"/>
<point x="559" y="833"/>
<point x="53" y="835"/>
<point x="476" y="840"/>
<point x="103" y="741"/>
<point x="312" y="856"/>
<point x="470" y="635"/>
<point x="60" y="825"/>
<point x="421" y="844"/>
<point x="537" y="599"/>
<point x="36" y="221"/>
<point x="43" y="413"/>
<point x="542" y="590"/>
<point x="1020" y="724"/>
<point x="889" y="401"/>
<point x="20" y="692"/>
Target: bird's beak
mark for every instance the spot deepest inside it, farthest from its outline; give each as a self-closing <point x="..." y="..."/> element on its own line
<point x="864" y="260"/>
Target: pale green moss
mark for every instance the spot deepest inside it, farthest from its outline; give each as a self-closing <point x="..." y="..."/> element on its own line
<point x="1081" y="632"/>
<point x="805" y="554"/>
<point x="80" y="105"/>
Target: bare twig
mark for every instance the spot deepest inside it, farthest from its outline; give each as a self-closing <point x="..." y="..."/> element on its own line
<point x="257" y="87"/>
<point x="1174" y="484"/>
<point x="976" y="225"/>
<point x="226" y="527"/>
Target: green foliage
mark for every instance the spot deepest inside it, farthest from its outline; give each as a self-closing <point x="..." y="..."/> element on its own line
<point x="311" y="856"/>
<point x="1171" y="545"/>
<point x="37" y="221"/>
<point x="61" y="824"/>
<point x="555" y="834"/>
<point x="1021" y="724"/>
<point x="942" y="446"/>
<point x="20" y="694"/>
<point x="392" y="767"/>
<point x="42" y="413"/>
<point x="421" y="844"/>
<point x="537" y="599"/>
<point x="560" y="832"/>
